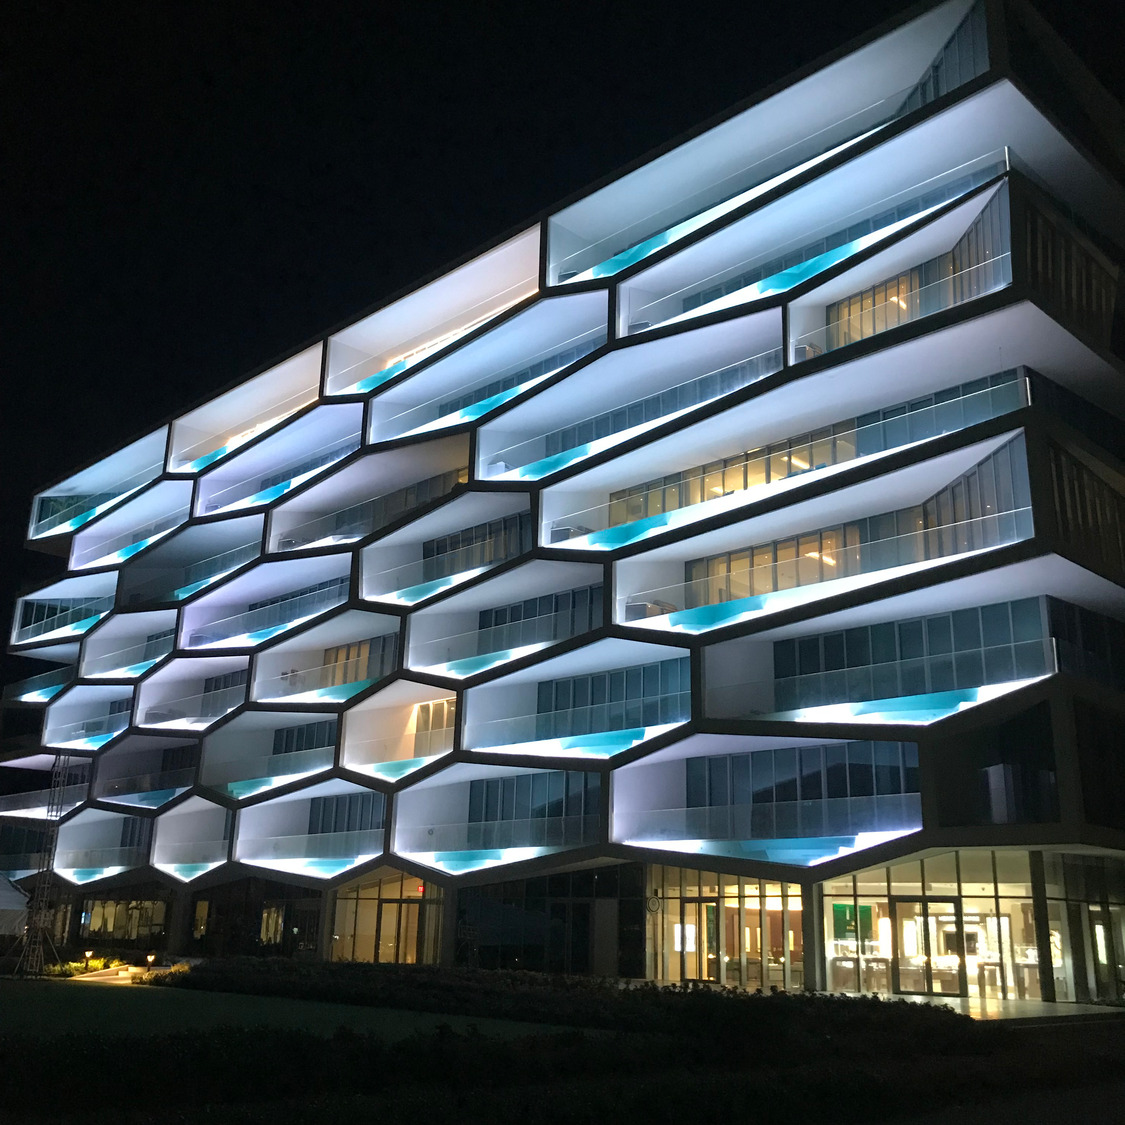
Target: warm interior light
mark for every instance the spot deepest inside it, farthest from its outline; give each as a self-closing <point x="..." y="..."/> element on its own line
<point x="717" y="490"/>
<point x="798" y="462"/>
<point x="901" y="302"/>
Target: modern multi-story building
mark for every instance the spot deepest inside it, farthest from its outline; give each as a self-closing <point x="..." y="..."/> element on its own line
<point x="721" y="578"/>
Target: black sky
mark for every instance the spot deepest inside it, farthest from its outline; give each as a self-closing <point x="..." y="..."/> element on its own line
<point x="188" y="190"/>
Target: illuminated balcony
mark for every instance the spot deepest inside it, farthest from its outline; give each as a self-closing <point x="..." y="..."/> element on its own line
<point x="215" y="430"/>
<point x="592" y="411"/>
<point x="493" y="369"/>
<point x="540" y="604"/>
<point x="320" y="832"/>
<point x="128" y="645"/>
<point x="260" y="750"/>
<point x="192" y="839"/>
<point x="96" y="844"/>
<point x="132" y="528"/>
<point x="35" y="805"/>
<point x="88" y="494"/>
<point x="753" y="153"/>
<point x="373" y="351"/>
<point x="737" y="480"/>
<point x="64" y="610"/>
<point x="146" y="772"/>
<point x="398" y="730"/>
<point x="367" y="495"/>
<point x="41" y="688"/>
<point x="87" y="717"/>
<point x="302" y="451"/>
<point x="192" y="694"/>
<point x="815" y="571"/>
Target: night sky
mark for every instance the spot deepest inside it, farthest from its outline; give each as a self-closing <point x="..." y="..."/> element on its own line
<point x="190" y="190"/>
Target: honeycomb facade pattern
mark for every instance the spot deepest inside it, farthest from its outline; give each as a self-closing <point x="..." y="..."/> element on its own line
<point x="722" y="578"/>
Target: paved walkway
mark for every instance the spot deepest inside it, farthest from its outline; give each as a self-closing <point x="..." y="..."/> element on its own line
<point x="1037" y="1010"/>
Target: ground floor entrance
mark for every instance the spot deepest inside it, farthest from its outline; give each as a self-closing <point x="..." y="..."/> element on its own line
<point x="927" y="947"/>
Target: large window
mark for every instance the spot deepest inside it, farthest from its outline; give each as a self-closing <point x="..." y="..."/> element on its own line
<point x="388" y="917"/>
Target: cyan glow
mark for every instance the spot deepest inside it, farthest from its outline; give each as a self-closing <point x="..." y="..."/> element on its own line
<point x="802" y="852"/>
<point x="41" y="695"/>
<point x="380" y="377"/>
<point x="85" y="517"/>
<point x="74" y="629"/>
<point x="471" y="665"/>
<point x="207" y="459"/>
<point x="649" y="246"/>
<point x="411" y="595"/>
<point x="129" y="551"/>
<point x="795" y="275"/>
<point x="458" y="863"/>
<point x="178" y="595"/>
<point x="333" y="693"/>
<point x="393" y="771"/>
<point x="316" y="868"/>
<point x="87" y="742"/>
<point x="909" y="710"/>
<point x="265" y="495"/>
<point x="151" y="800"/>
<point x="129" y="672"/>
<point x="253" y="785"/>
<point x="702" y="618"/>
<point x="599" y="745"/>
<point x="185" y="872"/>
<point x="82" y="875"/>
<point x="258" y="636"/>
<point x="478" y="409"/>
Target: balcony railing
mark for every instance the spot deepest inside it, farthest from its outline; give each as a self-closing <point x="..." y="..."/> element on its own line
<point x="416" y="581"/>
<point x="390" y="759"/>
<point x="599" y="730"/>
<point x="129" y="662"/>
<point x="190" y="859"/>
<point x="210" y="449"/>
<point x="17" y="865"/>
<point x="82" y="509"/>
<point x="328" y="683"/>
<point x="779" y="820"/>
<point x="916" y="690"/>
<point x="536" y="832"/>
<point x="253" y="626"/>
<point x="705" y="492"/>
<point x="36" y="803"/>
<point x="147" y="789"/>
<point x="41" y="688"/>
<point x="72" y="621"/>
<point x="193" y="712"/>
<point x="751" y="591"/>
<point x="249" y="493"/>
<point x="86" y="734"/>
<point x="314" y="846"/>
<point x="530" y="460"/>
<point x="93" y="863"/>
<point x="957" y="289"/>
<point x="122" y="547"/>
<point x="465" y="654"/>
<point x="245" y="775"/>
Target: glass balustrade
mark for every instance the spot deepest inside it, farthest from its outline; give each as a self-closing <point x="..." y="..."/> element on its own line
<point x="35" y="803"/>
<point x="324" y="854"/>
<point x="532" y="832"/>
<point x="86" y="734"/>
<point x="83" y="865"/>
<point x="124" y="546"/>
<point x="39" y="689"/>
<point x="70" y="513"/>
<point x="18" y="865"/>
<point x="208" y="450"/>
<point x="193" y="712"/>
<point x="71" y="621"/>
<point x="914" y="691"/>
<point x="390" y="759"/>
<point x="253" y="626"/>
<point x="738" y="282"/>
<point x="328" y="683"/>
<point x="128" y="662"/>
<point x="744" y="186"/>
<point x="254" y="490"/>
<point x="596" y="731"/>
<point x="194" y="577"/>
<point x="147" y="789"/>
<point x="535" y="458"/>
<point x="362" y="519"/>
<point x="743" y="594"/>
<point x="189" y="860"/>
<point x="702" y="492"/>
<point x="422" y="579"/>
<point x="245" y="775"/>
<point x="909" y="305"/>
<point x="778" y="820"/>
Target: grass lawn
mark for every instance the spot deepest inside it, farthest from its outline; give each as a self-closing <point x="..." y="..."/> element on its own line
<point x="49" y="1008"/>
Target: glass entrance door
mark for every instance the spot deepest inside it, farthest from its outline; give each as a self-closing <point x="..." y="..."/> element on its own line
<point x="928" y="937"/>
<point x="698" y="939"/>
<point x="396" y="939"/>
